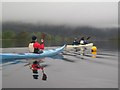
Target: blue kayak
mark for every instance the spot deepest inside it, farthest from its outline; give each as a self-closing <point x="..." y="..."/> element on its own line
<point x="46" y="53"/>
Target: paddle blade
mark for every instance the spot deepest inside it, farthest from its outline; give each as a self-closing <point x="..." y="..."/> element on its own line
<point x="43" y="35"/>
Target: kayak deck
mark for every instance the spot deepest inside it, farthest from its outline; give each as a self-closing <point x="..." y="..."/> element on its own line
<point x="87" y="46"/>
<point x="46" y="53"/>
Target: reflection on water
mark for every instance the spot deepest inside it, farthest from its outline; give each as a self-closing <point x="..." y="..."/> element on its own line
<point x="59" y="56"/>
<point x="17" y="61"/>
<point x="11" y="63"/>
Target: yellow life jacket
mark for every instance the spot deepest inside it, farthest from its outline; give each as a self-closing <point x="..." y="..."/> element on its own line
<point x="94" y="50"/>
<point x="31" y="48"/>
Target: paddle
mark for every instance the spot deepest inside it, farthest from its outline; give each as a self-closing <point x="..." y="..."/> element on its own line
<point x="43" y="35"/>
<point x="88" y="38"/>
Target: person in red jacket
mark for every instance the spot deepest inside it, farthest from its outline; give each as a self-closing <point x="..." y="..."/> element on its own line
<point x="36" y="47"/>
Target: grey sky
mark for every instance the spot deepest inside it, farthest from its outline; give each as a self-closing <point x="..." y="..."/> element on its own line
<point x="97" y="14"/>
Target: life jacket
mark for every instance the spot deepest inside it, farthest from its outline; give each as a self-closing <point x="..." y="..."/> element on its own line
<point x="30" y="47"/>
<point x="94" y="50"/>
<point x="37" y="47"/>
<point x="34" y="47"/>
<point x="82" y="42"/>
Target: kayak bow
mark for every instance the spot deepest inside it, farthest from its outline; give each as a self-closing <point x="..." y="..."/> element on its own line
<point x="46" y="53"/>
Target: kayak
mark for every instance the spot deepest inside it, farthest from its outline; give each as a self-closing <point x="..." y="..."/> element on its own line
<point x="46" y="53"/>
<point x="87" y="46"/>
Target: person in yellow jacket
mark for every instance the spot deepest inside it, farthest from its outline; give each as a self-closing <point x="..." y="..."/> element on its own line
<point x="94" y="51"/>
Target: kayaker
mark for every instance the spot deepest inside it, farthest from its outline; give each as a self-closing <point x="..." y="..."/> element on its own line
<point x="82" y="41"/>
<point x="86" y="40"/>
<point x="75" y="42"/>
<point x="36" y="47"/>
<point x="94" y="51"/>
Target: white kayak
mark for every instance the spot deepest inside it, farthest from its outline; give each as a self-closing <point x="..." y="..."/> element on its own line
<point x="87" y="46"/>
<point x="46" y="53"/>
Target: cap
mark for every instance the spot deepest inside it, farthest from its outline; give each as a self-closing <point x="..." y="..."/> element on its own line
<point x="82" y="38"/>
<point x="34" y="37"/>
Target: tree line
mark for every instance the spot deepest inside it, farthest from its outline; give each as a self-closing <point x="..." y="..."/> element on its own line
<point x="11" y="38"/>
<point x="63" y="30"/>
<point x="55" y="34"/>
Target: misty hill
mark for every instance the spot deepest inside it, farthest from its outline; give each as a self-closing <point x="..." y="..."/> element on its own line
<point x="62" y="30"/>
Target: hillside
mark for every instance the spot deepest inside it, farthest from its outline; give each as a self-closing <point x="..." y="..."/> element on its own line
<point x="62" y="30"/>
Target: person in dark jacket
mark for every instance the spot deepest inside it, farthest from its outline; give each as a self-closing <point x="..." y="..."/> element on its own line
<point x="75" y="42"/>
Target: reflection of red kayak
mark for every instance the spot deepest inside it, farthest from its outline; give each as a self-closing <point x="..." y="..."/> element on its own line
<point x="46" y="53"/>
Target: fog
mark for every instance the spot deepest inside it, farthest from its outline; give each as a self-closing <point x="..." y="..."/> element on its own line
<point x="95" y="14"/>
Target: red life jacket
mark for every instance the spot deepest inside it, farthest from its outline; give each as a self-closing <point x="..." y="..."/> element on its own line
<point x="39" y="46"/>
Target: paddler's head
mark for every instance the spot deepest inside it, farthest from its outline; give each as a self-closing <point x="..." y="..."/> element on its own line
<point x="82" y="38"/>
<point x="75" y="39"/>
<point x="34" y="38"/>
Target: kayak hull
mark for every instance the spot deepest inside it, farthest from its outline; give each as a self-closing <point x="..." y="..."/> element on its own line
<point x="87" y="46"/>
<point x="46" y="53"/>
